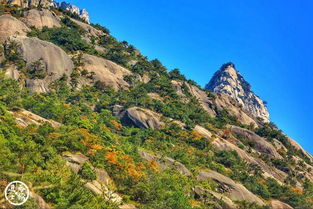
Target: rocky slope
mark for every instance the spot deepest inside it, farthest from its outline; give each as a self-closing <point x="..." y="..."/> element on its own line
<point x="82" y="13"/>
<point x="229" y="81"/>
<point x="109" y="129"/>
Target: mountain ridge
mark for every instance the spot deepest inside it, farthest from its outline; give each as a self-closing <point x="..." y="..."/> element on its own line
<point x="125" y="127"/>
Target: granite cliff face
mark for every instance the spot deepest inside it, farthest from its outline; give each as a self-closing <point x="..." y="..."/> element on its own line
<point x="74" y="9"/>
<point x="156" y="122"/>
<point x="31" y="3"/>
<point x="228" y="81"/>
<point x="51" y="3"/>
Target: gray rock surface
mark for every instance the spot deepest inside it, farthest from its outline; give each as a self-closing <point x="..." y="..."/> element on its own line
<point x="106" y="71"/>
<point x="165" y="163"/>
<point x="10" y="26"/>
<point x="55" y="61"/>
<point x="202" y="131"/>
<point x="40" y="18"/>
<point x="144" y="118"/>
<point x="227" y="186"/>
<point x="229" y="81"/>
<point x="260" y="143"/>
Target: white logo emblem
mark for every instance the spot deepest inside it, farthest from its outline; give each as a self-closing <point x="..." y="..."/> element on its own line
<point x="16" y="193"/>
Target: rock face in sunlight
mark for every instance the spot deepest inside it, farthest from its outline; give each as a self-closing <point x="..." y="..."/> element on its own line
<point x="31" y="3"/>
<point x="82" y="13"/>
<point x="88" y="121"/>
<point x="229" y="81"/>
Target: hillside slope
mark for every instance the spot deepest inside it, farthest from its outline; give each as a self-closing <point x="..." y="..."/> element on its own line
<point x="89" y="122"/>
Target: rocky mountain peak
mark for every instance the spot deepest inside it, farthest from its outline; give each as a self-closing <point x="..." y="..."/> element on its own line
<point x="229" y="81"/>
<point x="82" y="13"/>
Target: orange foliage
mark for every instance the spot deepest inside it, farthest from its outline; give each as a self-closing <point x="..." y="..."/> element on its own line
<point x="91" y="141"/>
<point x="297" y="190"/>
<point x="67" y="106"/>
<point x="116" y="125"/>
<point x="111" y="157"/>
<point x="196" y="136"/>
<point x="97" y="147"/>
<point x="153" y="165"/>
<point x="126" y="163"/>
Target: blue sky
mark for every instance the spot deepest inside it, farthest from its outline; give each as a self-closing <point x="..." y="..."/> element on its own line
<point x="270" y="43"/>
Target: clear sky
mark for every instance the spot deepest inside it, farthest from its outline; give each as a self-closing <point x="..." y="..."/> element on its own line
<point x="269" y="41"/>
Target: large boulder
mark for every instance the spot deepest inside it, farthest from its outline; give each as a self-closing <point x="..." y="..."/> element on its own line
<point x="276" y="204"/>
<point x="164" y="163"/>
<point x="144" y="118"/>
<point x="227" y="186"/>
<point x="106" y="71"/>
<point x="40" y="18"/>
<point x="55" y="62"/>
<point x="260" y="143"/>
<point x="203" y="132"/>
<point x="10" y="26"/>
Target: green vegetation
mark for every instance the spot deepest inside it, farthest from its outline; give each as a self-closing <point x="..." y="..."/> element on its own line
<point x="88" y="127"/>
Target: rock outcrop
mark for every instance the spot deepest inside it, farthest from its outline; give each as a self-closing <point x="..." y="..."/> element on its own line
<point x="82" y="13"/>
<point x="25" y="118"/>
<point x="227" y="186"/>
<point x="229" y="81"/>
<point x="10" y="26"/>
<point x="298" y="146"/>
<point x="101" y="185"/>
<point x="201" y="95"/>
<point x="260" y="143"/>
<point x="143" y="118"/>
<point x="109" y="73"/>
<point x="216" y="102"/>
<point x="221" y="144"/>
<point x="165" y="163"/>
<point x="269" y="172"/>
<point x="88" y="28"/>
<point x="41" y="18"/>
<point x="54" y="61"/>
<point x="31" y="3"/>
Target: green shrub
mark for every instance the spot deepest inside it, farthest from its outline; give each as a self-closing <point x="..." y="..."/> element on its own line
<point x="86" y="172"/>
